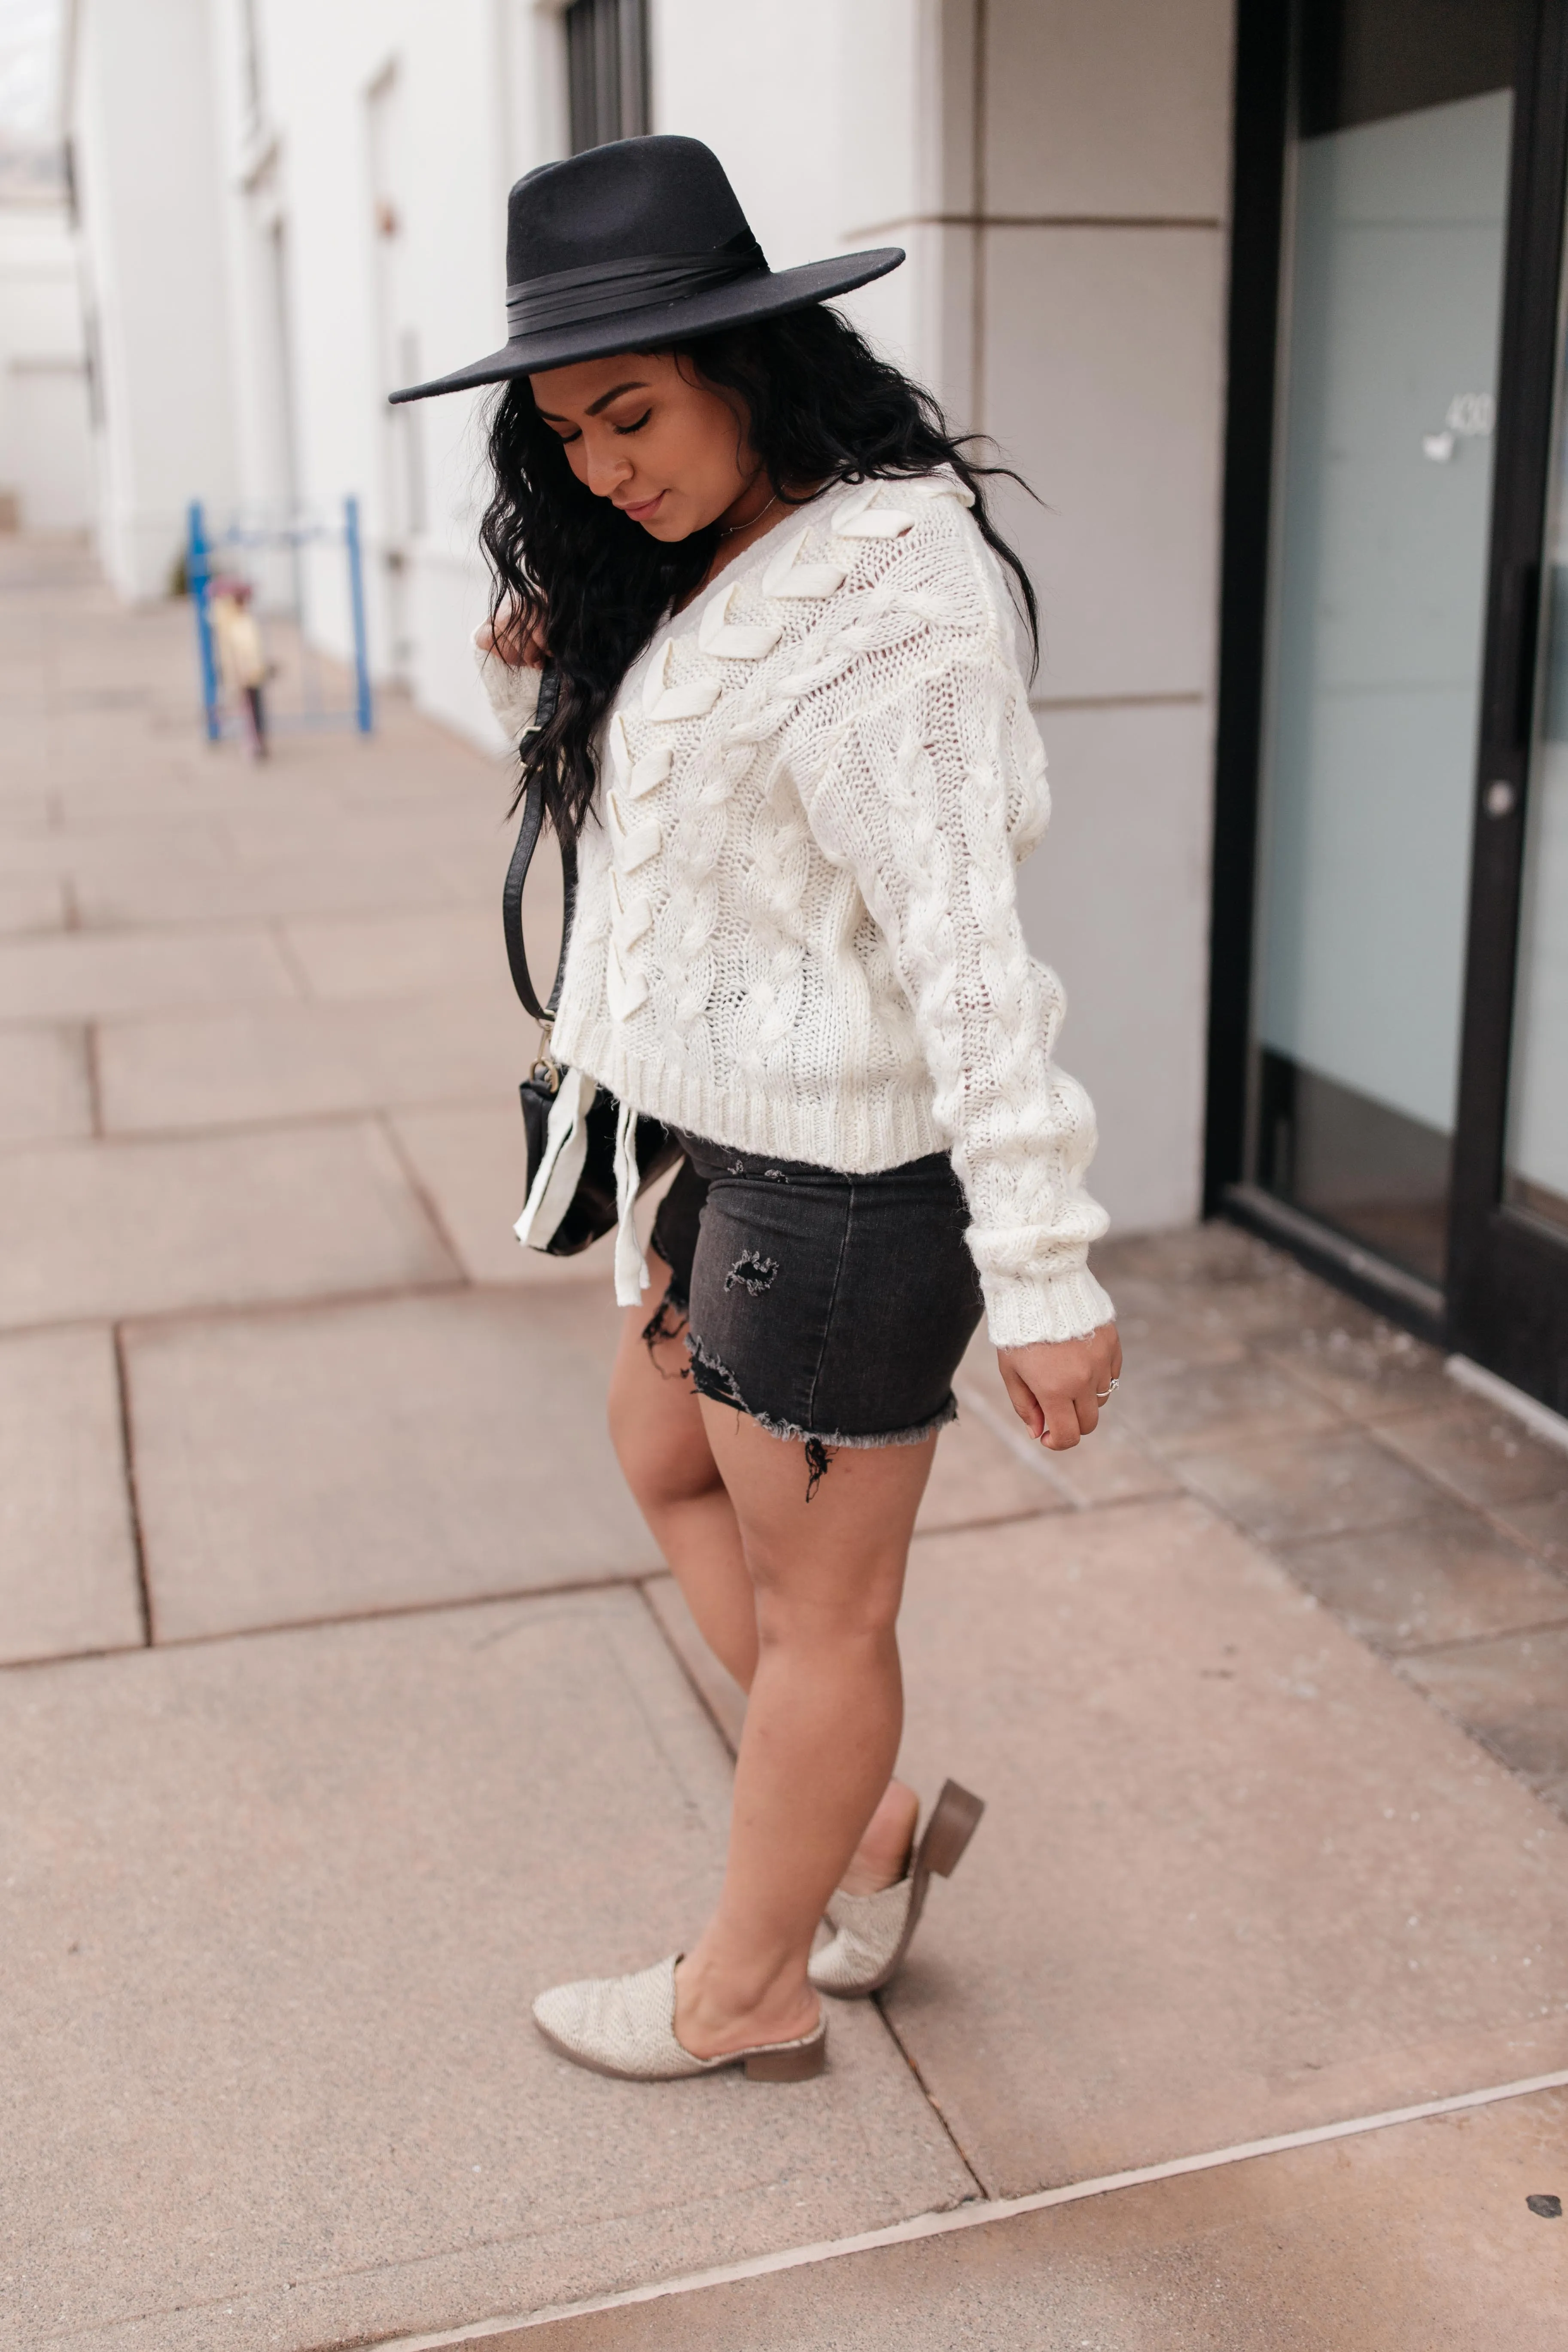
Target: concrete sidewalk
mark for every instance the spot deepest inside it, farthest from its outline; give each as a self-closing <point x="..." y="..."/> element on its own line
<point x="346" y="1702"/>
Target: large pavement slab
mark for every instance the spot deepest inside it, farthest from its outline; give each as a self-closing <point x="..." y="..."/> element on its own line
<point x="275" y="1910"/>
<point x="1449" y="1576"/>
<point x="80" y="973"/>
<point x="401" y="955"/>
<point x="1416" y="2239"/>
<point x="46" y="1092"/>
<point x="1235" y="1879"/>
<point x="1511" y="1692"/>
<point x="28" y="902"/>
<point x="157" y="1225"/>
<point x="332" y="1463"/>
<point x="310" y="1061"/>
<point x="162" y="893"/>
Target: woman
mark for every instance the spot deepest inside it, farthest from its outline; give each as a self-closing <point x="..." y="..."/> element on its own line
<point x="796" y="753"/>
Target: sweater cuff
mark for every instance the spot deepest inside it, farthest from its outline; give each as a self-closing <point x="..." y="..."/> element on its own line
<point x="513" y="693"/>
<point x="1021" y="1309"/>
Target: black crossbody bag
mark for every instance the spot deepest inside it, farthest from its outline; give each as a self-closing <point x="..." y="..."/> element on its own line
<point x="593" y="1211"/>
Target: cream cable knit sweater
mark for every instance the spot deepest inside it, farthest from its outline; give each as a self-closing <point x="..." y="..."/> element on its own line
<point x="796" y="926"/>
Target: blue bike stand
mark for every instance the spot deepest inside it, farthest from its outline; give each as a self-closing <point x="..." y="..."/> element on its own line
<point x="202" y="551"/>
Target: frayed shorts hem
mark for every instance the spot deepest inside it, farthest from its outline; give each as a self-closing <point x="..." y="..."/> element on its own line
<point x="714" y="1380"/>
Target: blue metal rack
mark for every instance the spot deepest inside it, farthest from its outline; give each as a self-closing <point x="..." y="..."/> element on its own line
<point x="208" y="554"/>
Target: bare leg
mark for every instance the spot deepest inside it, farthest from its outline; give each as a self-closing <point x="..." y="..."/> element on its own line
<point x="823" y="1725"/>
<point x="657" y="1429"/>
<point x="656" y="1426"/>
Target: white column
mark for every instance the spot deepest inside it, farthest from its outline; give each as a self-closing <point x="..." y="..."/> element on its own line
<point x="1102" y="171"/>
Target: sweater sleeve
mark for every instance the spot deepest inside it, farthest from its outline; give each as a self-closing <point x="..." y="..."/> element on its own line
<point x="931" y="794"/>
<point x="513" y="693"/>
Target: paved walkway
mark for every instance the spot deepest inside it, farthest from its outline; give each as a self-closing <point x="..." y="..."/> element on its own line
<point x="346" y="1700"/>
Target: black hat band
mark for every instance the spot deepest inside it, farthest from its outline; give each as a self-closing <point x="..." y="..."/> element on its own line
<point x="571" y="298"/>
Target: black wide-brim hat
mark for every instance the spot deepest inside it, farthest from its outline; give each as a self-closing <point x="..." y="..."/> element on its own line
<point x="634" y="247"/>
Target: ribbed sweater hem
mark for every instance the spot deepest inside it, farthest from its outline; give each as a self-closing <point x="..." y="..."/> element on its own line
<point x="859" y="1137"/>
<point x="856" y="1135"/>
<point x="1020" y="1311"/>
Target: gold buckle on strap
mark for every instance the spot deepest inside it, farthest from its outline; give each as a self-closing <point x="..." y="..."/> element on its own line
<point x="546" y="1070"/>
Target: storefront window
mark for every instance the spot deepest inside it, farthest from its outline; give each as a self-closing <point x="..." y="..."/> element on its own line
<point x="1397" y="195"/>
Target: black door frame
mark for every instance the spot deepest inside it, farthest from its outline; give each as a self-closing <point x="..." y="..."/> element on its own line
<point x="1506" y="1299"/>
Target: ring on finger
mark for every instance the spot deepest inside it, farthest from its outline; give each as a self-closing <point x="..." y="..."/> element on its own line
<point x="1105" y="1397"/>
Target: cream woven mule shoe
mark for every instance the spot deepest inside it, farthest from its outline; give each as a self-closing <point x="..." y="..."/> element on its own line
<point x="874" y="1931"/>
<point x="625" y="2026"/>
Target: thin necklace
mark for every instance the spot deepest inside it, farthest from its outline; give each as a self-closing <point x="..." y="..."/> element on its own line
<point x="732" y="528"/>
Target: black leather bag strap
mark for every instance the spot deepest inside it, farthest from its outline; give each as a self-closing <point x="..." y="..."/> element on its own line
<point x="517" y="874"/>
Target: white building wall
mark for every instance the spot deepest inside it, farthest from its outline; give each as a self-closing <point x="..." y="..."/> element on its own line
<point x="839" y="126"/>
<point x="145" y="146"/>
<point x="45" y="460"/>
<point x="1100" y="200"/>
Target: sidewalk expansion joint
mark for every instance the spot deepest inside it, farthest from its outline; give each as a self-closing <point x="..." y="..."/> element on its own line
<point x="974" y="2216"/>
<point x="276" y="929"/>
<point x="132" y="1499"/>
<point x="242" y="1310"/>
<point x="1479" y="1641"/>
<point x="643" y="1580"/>
<point x="253" y="1122"/>
<point x="92" y="1066"/>
<point x="386" y="1121"/>
<point x="930" y="2096"/>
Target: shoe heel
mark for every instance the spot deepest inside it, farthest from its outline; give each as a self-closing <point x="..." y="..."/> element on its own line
<point x="787" y="2065"/>
<point x="954" y="1819"/>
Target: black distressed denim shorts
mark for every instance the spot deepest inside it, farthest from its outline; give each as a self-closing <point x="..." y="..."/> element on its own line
<point x="828" y="1307"/>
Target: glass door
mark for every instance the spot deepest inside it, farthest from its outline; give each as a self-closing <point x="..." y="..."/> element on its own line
<point x="1388" y="1041"/>
<point x="1535" y="1167"/>
<point x="1509" y="1262"/>
<point x="1397" y="177"/>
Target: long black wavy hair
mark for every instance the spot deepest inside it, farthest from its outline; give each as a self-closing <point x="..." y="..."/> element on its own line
<point x="592" y="586"/>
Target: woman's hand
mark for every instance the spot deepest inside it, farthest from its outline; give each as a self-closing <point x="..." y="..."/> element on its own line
<point x="513" y="641"/>
<point x="1057" y="1386"/>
